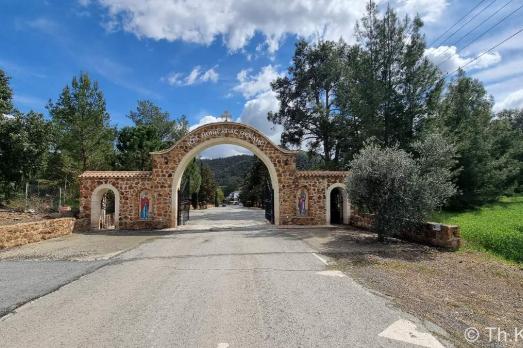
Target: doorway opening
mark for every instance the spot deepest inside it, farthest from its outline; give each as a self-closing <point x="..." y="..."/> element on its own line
<point x="336" y="210"/>
<point x="225" y="186"/>
<point x="337" y="204"/>
<point x="105" y="205"/>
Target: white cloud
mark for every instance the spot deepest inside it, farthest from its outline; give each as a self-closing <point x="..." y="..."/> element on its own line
<point x="195" y="76"/>
<point x="205" y="120"/>
<point x="429" y="10"/>
<point x="495" y="37"/>
<point x="252" y="85"/>
<point x="174" y="79"/>
<point x="256" y="88"/>
<point x="255" y="114"/>
<point x="511" y="67"/>
<point x="210" y="75"/>
<point x="42" y="24"/>
<point x="237" y="21"/>
<point x="448" y="59"/>
<point x="511" y="101"/>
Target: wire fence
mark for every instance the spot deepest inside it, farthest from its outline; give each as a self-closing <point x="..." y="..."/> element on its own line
<point x="44" y="197"/>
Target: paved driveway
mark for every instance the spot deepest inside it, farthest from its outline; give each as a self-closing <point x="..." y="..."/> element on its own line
<point x="249" y="288"/>
<point x="231" y="216"/>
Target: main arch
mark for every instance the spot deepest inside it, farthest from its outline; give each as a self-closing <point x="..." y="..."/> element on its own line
<point x="160" y="185"/>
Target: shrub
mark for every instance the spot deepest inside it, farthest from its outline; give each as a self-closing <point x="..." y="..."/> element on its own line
<point x="402" y="189"/>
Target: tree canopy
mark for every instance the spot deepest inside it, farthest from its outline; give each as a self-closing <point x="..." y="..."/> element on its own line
<point x="400" y="189"/>
<point x="308" y="109"/>
<point x="6" y="94"/>
<point x="82" y="124"/>
<point x="168" y="130"/>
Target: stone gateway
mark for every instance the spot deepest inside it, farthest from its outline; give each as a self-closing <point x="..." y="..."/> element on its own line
<point x="149" y="199"/>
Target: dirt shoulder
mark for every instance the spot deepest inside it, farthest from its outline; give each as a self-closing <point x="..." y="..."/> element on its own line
<point x="455" y="290"/>
<point x="88" y="246"/>
<point x="10" y="217"/>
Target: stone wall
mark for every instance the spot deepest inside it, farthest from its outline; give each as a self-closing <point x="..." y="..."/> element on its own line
<point x="30" y="232"/>
<point x="128" y="186"/>
<point x="430" y="233"/>
<point x="315" y="183"/>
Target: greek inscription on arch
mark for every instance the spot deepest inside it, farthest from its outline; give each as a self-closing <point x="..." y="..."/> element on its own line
<point x="237" y="133"/>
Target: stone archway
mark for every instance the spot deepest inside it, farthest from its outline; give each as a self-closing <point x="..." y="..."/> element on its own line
<point x="168" y="167"/>
<point x="346" y="205"/>
<point x="177" y="177"/>
<point x="96" y="200"/>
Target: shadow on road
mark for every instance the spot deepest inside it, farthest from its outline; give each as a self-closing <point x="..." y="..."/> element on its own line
<point x="354" y="245"/>
<point x="122" y="233"/>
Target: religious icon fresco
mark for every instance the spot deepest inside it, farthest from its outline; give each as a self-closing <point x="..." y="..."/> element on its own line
<point x="302" y="203"/>
<point x="145" y="204"/>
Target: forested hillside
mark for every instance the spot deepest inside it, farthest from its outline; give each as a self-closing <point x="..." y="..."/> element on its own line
<point x="229" y="172"/>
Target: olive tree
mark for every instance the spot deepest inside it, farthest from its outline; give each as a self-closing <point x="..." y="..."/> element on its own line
<point x="399" y="188"/>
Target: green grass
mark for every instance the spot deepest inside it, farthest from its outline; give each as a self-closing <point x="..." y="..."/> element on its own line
<point x="495" y="228"/>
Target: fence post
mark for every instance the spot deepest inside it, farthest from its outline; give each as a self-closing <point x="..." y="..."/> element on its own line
<point x="65" y="191"/>
<point x="26" y="196"/>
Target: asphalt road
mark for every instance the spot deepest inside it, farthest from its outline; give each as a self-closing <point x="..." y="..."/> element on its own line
<point x="231" y="216"/>
<point x="250" y="288"/>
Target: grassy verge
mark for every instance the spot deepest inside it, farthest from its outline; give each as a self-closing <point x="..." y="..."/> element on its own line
<point x="495" y="228"/>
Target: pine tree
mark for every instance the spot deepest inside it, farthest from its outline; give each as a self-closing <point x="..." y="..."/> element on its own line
<point x="82" y="123"/>
<point x="134" y="145"/>
<point x="168" y="130"/>
<point x="307" y="96"/>
<point x="389" y="87"/>
<point x="464" y="117"/>
<point x="6" y="95"/>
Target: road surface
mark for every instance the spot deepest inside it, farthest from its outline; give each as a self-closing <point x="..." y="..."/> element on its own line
<point x="231" y="216"/>
<point x="247" y="288"/>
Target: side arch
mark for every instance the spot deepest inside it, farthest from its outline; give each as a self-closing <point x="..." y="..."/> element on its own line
<point x="346" y="205"/>
<point x="96" y="200"/>
<point x="182" y="165"/>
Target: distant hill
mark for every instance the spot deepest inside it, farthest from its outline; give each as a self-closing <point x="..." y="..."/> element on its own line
<point x="229" y="172"/>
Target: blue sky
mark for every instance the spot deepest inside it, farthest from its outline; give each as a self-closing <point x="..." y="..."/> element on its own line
<point x="199" y="58"/>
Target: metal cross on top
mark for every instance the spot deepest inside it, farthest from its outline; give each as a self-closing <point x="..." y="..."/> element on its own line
<point x="226" y="115"/>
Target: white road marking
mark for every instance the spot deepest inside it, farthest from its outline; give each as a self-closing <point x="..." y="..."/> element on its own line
<point x="222" y="345"/>
<point x="405" y="331"/>
<point x="332" y="273"/>
<point x="321" y="258"/>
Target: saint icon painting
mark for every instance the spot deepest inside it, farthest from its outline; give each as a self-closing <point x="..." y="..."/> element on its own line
<point x="302" y="203"/>
<point x="144" y="205"/>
